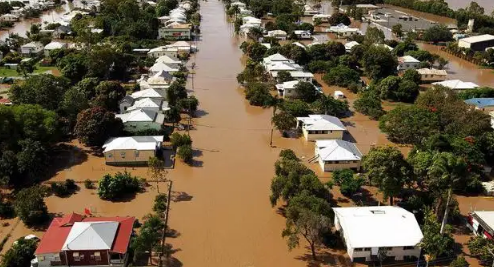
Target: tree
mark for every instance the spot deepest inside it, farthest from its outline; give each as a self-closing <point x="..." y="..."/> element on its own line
<point x="481" y="248"/>
<point x="30" y="206"/>
<point x="459" y="262"/>
<point x="412" y="75"/>
<point x="434" y="243"/>
<point x="256" y="51"/>
<point x="20" y="254"/>
<point x="338" y="18"/>
<point x="25" y="68"/>
<point x="374" y="36"/>
<point x="284" y="76"/>
<point x="32" y="160"/>
<point x="87" y="86"/>
<point x="438" y="33"/>
<point x="409" y="124"/>
<point x="397" y="30"/>
<point x="160" y="204"/>
<point x="379" y="62"/>
<point x="388" y="86"/>
<point x="117" y="186"/>
<point x="369" y="104"/>
<point x="108" y="95"/>
<point x="296" y="108"/>
<point x="475" y="8"/>
<point x="149" y="236"/>
<point x="258" y="94"/>
<point x="387" y="169"/>
<point x="74" y="101"/>
<point x="175" y="92"/>
<point x="288" y="154"/>
<point x="73" y="66"/>
<point x="328" y="105"/>
<point x="284" y="121"/>
<point x="341" y="76"/>
<point x="178" y="140"/>
<point x="95" y="125"/>
<point x="306" y="91"/>
<point x="306" y="216"/>
<point x="45" y="90"/>
<point x="157" y="171"/>
<point x="441" y="63"/>
<point x="185" y="153"/>
<point x="407" y="92"/>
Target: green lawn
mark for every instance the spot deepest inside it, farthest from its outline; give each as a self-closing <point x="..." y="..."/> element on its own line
<point x="13" y="73"/>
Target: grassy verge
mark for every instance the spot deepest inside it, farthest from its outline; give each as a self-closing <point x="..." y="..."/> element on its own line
<point x="4" y="72"/>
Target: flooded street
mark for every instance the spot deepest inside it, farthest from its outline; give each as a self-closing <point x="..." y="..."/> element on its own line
<point x="229" y="220"/>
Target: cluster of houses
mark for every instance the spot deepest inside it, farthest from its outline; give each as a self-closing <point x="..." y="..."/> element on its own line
<point x="175" y="25"/>
<point x="18" y="12"/>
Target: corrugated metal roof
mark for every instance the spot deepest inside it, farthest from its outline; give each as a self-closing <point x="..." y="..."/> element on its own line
<point x="336" y="150"/>
<point x="132" y="142"/>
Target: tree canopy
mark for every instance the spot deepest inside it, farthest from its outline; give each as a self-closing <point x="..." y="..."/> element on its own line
<point x="95" y="125"/>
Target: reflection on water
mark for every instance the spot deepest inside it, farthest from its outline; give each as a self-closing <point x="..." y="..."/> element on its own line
<point x="48" y="16"/>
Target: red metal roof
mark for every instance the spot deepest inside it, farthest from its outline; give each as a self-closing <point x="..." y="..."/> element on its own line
<point x="57" y="233"/>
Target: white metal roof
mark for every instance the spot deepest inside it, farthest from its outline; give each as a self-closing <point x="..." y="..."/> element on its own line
<point x="426" y="71"/>
<point x="274" y="58"/>
<point x="295" y="74"/>
<point x="280" y="65"/>
<point x="132" y="142"/>
<point x="153" y="93"/>
<point x="139" y="115"/>
<point x="322" y="123"/>
<point x="157" y="67"/>
<point x="149" y="104"/>
<point x="378" y="226"/>
<point x="350" y="45"/>
<point x="457" y="84"/>
<point x="91" y="236"/>
<point x="168" y="60"/>
<point x="478" y="38"/>
<point x="408" y="59"/>
<point x="336" y="150"/>
<point x="487" y="217"/>
<point x="54" y="45"/>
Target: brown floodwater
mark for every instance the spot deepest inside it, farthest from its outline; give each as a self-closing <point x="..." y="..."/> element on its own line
<point x="49" y="16"/>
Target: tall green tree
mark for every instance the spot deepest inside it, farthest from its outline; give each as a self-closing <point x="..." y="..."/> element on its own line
<point x="108" y="95"/>
<point x="95" y="125"/>
<point x="379" y="62"/>
<point x="387" y="169"/>
<point x="20" y="254"/>
<point x="434" y="243"/>
<point x="30" y="206"/>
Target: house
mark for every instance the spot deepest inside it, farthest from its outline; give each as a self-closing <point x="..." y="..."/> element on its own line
<point x="9" y="18"/>
<point x="317" y="127"/>
<point x="163" y="51"/>
<point x="337" y="154"/>
<point x="149" y="93"/>
<point x="298" y="75"/>
<point x="278" y="34"/>
<point x="267" y="45"/>
<point x="140" y="120"/>
<point x="252" y="21"/>
<point x="31" y="48"/>
<point x="300" y="45"/>
<point x="160" y="67"/>
<point x="275" y="58"/>
<point x="155" y="105"/>
<point x="160" y="80"/>
<point x="368" y="231"/>
<point x="134" y="150"/>
<point x="310" y="11"/>
<point x="286" y="66"/>
<point x="343" y="30"/>
<point x="175" y="31"/>
<point x="170" y="61"/>
<point x="456" y="85"/>
<point x="407" y="62"/>
<point x="482" y="223"/>
<point x="350" y="45"/>
<point x="302" y="34"/>
<point x="239" y="4"/>
<point x="182" y="46"/>
<point x="244" y="11"/>
<point x="53" y="46"/>
<point x="322" y="17"/>
<point x="484" y="104"/>
<point x="75" y="240"/>
<point x="287" y="89"/>
<point x="432" y="75"/>
<point x="477" y="43"/>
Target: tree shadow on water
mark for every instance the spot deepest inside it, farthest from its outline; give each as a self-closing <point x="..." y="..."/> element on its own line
<point x="180" y="196"/>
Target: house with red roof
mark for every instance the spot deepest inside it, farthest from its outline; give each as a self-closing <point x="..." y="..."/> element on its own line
<point x="76" y="240"/>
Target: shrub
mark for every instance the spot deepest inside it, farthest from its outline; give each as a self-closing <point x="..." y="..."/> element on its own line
<point x="88" y="184"/>
<point x="340" y="175"/>
<point x="117" y="186"/>
<point x="185" y="153"/>
<point x="288" y="154"/>
<point x="30" y="206"/>
<point x="179" y="140"/>
<point x="6" y="210"/>
<point x="459" y="262"/>
<point x="350" y="186"/>
<point x="160" y="203"/>
<point x="64" y="189"/>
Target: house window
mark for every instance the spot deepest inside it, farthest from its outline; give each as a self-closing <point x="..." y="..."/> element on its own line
<point x="336" y="162"/>
<point x="388" y="248"/>
<point x="76" y="256"/>
<point x="97" y="256"/>
<point x="122" y="154"/>
<point x="110" y="155"/>
<point x="367" y="249"/>
<point x="56" y="258"/>
<point x="137" y="153"/>
<point x="358" y="249"/>
<point x="408" y="248"/>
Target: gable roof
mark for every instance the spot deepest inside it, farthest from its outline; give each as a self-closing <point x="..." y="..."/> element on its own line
<point x="274" y="58"/>
<point x="152" y="93"/>
<point x="148" y="103"/>
<point x="160" y="66"/>
<point x="350" y="45"/>
<point x="168" y="60"/>
<point x="132" y="142"/>
<point x="457" y="84"/>
<point x="331" y="150"/>
<point x="378" y="226"/>
<point x="91" y="236"/>
<point x="54" y="45"/>
<point x="138" y="115"/>
<point x="408" y="59"/>
<point x="282" y="65"/>
<point x="322" y="123"/>
<point x="56" y="235"/>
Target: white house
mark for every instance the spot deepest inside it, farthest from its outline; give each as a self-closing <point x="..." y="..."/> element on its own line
<point x="278" y="34"/>
<point x="131" y="149"/>
<point x="385" y="46"/>
<point x="350" y="45"/>
<point x="287" y="89"/>
<point x="163" y="51"/>
<point x="52" y="46"/>
<point x="139" y="120"/>
<point x="457" y="85"/>
<point x="322" y="17"/>
<point x="275" y="58"/>
<point x="244" y="11"/>
<point x="302" y="34"/>
<point x="252" y="21"/>
<point x="177" y="30"/>
<point x="182" y="46"/>
<point x="432" y="75"/>
<point x="317" y="127"/>
<point x="407" y="62"/>
<point x="160" y="67"/>
<point x="239" y="4"/>
<point x="31" y="48"/>
<point x="343" y="30"/>
<point x="337" y="154"/>
<point x="170" y="61"/>
<point x="309" y="11"/>
<point x="9" y="17"/>
<point x="149" y="93"/>
<point x="160" y="80"/>
<point x="286" y="66"/>
<point x="298" y="75"/>
<point x="482" y="223"/>
<point x="368" y="230"/>
<point x="156" y="105"/>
